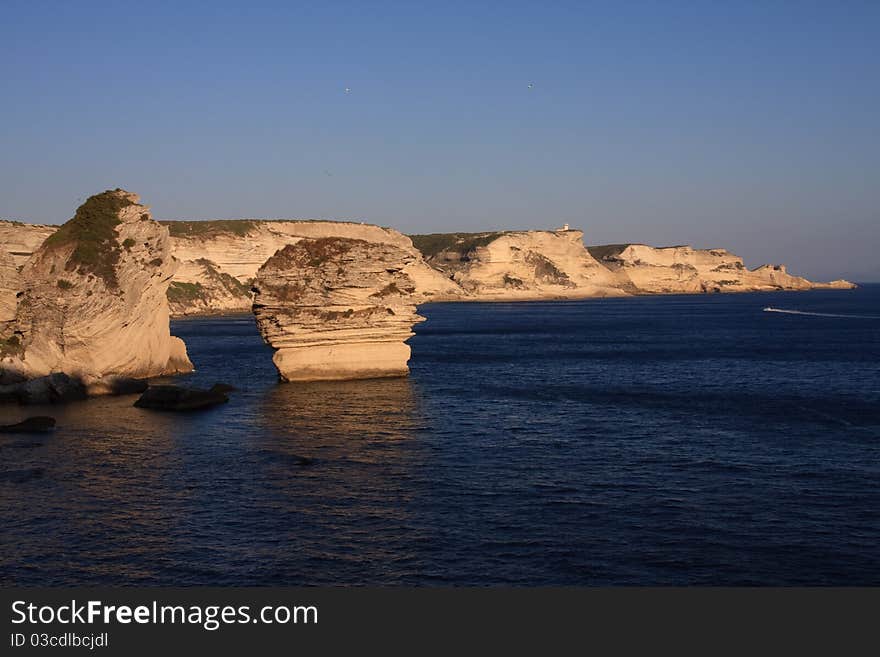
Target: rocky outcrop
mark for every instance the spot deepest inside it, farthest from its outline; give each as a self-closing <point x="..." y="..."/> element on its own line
<point x="219" y="260"/>
<point x="685" y="270"/>
<point x="337" y="308"/>
<point x="213" y="252"/>
<point x="93" y="300"/>
<point x="177" y="398"/>
<point x="521" y="265"/>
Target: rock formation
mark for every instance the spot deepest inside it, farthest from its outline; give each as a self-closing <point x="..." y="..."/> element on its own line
<point x="219" y="260"/>
<point x="20" y="240"/>
<point x="93" y="301"/>
<point x="521" y="265"/>
<point x="214" y="252"/>
<point x="337" y="308"/>
<point x="685" y="270"/>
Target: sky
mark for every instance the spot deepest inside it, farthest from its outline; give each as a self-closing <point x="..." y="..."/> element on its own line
<point x="753" y="126"/>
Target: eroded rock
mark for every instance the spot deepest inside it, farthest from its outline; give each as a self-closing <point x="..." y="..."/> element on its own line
<point x="685" y="270"/>
<point x="178" y="398"/>
<point x="337" y="308"/>
<point x="93" y="300"/>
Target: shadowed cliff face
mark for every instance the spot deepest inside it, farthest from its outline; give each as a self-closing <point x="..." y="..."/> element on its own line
<point x="92" y="299"/>
<point x="337" y="309"/>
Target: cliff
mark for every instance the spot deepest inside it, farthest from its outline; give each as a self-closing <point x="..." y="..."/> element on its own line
<point x="521" y="265"/>
<point x="201" y="288"/>
<point x="337" y="308"/>
<point x="20" y="240"/>
<point x="211" y="251"/>
<point x="685" y="270"/>
<point x="9" y="284"/>
<point x="219" y="260"/>
<point x="92" y="300"/>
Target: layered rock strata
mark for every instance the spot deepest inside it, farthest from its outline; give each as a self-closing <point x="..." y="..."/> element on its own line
<point x="92" y="300"/>
<point x="337" y="308"/>
<point x="521" y="265"/>
<point x="685" y="270"/>
<point x="9" y="284"/>
<point x="20" y="240"/>
<point x="219" y="260"/>
<point x="238" y="248"/>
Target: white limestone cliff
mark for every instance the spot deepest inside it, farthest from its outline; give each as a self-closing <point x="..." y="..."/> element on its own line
<point x="337" y="309"/>
<point x="93" y="300"/>
<point x="522" y="265"/>
<point x="685" y="270"/>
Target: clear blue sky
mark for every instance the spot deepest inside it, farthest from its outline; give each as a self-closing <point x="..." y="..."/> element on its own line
<point x="752" y="126"/>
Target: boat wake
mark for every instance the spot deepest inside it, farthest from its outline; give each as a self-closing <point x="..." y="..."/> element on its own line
<point x="802" y="312"/>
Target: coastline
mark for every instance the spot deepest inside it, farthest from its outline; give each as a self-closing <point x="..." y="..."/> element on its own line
<point x="553" y="297"/>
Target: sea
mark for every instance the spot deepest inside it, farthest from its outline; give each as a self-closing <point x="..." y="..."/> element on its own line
<point x="666" y="440"/>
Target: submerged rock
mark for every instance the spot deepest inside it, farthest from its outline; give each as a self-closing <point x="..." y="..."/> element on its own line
<point x="37" y="424"/>
<point x="337" y="309"/>
<point x="178" y="398"/>
<point x="92" y="303"/>
<point x="52" y="389"/>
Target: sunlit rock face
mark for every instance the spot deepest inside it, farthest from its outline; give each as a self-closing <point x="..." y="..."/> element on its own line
<point x="215" y="254"/>
<point x="337" y="309"/>
<point x="8" y="288"/>
<point x="520" y="265"/>
<point x="200" y="287"/>
<point x="20" y="240"/>
<point x="684" y="270"/>
<point x="92" y="301"/>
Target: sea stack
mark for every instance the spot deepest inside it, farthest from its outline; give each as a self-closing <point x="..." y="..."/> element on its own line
<point x="92" y="300"/>
<point x="337" y="309"/>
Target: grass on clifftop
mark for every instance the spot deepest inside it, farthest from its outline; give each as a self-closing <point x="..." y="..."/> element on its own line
<point x="93" y="231"/>
<point x="463" y="243"/>
<point x="239" y="227"/>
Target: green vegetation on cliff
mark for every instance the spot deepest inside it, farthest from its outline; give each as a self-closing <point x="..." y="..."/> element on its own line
<point x="463" y="243"/>
<point x="230" y="283"/>
<point x="239" y="227"/>
<point x="185" y="292"/>
<point x="93" y="232"/>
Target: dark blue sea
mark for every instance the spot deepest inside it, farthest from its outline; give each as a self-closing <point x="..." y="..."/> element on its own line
<point x="686" y="440"/>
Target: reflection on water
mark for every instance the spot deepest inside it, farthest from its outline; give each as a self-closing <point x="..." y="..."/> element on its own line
<point x="377" y="409"/>
<point x="123" y="495"/>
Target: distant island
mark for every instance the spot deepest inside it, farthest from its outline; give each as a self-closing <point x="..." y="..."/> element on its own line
<point x="90" y="300"/>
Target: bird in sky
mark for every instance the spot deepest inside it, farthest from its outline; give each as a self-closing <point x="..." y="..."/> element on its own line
<point x="348" y="90"/>
<point x="531" y="86"/>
